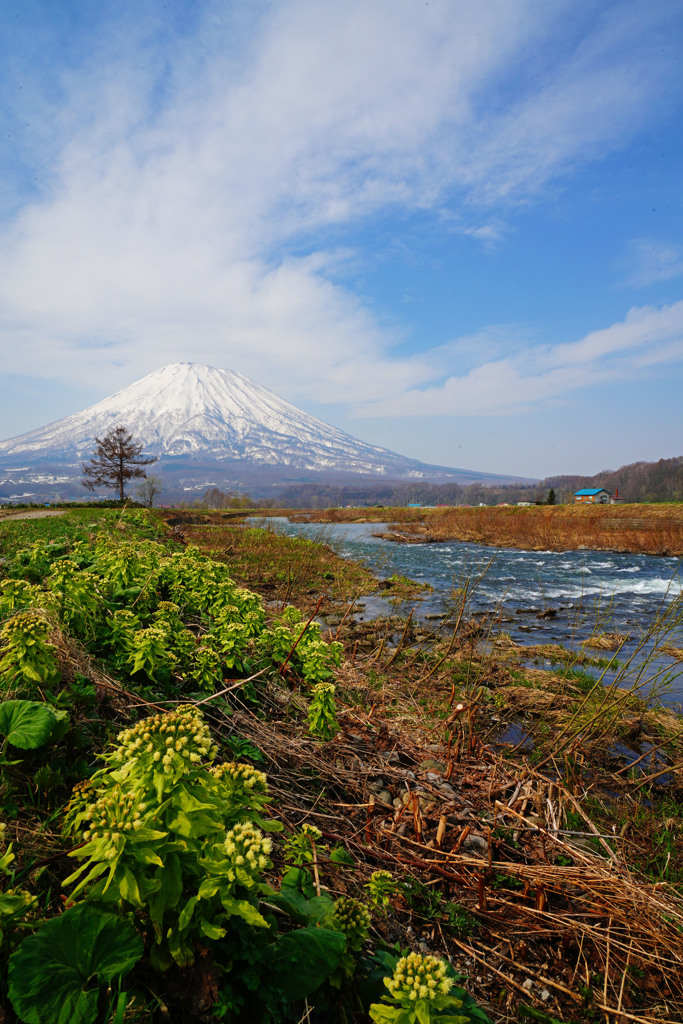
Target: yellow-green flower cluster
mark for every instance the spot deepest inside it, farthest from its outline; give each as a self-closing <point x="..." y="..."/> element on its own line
<point x="248" y="851"/>
<point x="353" y="919"/>
<point x="240" y="777"/>
<point x="113" y="816"/>
<point x="419" y="977"/>
<point x="172" y="741"/>
<point x="28" y="622"/>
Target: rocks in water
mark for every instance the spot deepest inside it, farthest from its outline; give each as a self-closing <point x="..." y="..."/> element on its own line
<point x="549" y="613"/>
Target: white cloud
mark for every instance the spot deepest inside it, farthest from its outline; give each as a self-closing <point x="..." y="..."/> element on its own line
<point x="542" y="374"/>
<point x="178" y="181"/>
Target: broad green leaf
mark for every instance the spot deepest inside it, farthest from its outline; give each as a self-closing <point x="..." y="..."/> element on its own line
<point x="422" y="1011"/>
<point x="340" y="856"/>
<point x="208" y="888"/>
<point x="26" y="723"/>
<point x="128" y="886"/>
<point x="384" y="1014"/>
<point x="244" y="909"/>
<point x="212" y="931"/>
<point x="305" y="958"/>
<point x="186" y="913"/>
<point x="145" y="855"/>
<point x="149" y="835"/>
<point x="185" y="801"/>
<point x="53" y="974"/>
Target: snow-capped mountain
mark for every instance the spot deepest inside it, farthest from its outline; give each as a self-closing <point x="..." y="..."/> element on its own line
<point x="202" y="418"/>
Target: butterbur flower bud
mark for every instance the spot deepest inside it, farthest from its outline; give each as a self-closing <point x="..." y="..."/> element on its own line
<point x="248" y="850"/>
<point x="419" y="977"/>
<point x="353" y="918"/>
<point x="240" y="778"/>
<point x="181" y="734"/>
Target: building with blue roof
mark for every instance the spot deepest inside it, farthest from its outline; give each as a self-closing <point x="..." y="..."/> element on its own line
<point x="593" y="496"/>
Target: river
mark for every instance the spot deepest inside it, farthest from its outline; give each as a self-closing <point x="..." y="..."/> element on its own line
<point x="590" y="591"/>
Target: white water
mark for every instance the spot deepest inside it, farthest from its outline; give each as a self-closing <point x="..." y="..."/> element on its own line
<point x="591" y="591"/>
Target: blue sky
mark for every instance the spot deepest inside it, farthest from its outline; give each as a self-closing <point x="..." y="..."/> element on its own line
<point x="450" y="228"/>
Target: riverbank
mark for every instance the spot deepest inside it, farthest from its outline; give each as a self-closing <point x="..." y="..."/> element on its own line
<point x="532" y="820"/>
<point x="649" y="529"/>
<point x="534" y="816"/>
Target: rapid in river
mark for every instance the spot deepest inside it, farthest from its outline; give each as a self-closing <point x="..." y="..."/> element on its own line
<point x="583" y="593"/>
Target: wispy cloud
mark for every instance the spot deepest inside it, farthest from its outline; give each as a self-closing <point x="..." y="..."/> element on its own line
<point x="539" y="375"/>
<point x="181" y="168"/>
<point x="649" y="260"/>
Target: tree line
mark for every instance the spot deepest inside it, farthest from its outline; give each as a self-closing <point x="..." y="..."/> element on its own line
<point x="118" y="458"/>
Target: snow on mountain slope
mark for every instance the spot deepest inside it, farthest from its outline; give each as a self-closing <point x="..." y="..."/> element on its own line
<point x="185" y="409"/>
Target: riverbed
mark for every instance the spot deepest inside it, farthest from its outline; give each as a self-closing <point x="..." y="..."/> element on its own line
<point x="583" y="593"/>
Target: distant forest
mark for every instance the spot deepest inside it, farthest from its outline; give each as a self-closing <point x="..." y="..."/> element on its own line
<point x="640" y="481"/>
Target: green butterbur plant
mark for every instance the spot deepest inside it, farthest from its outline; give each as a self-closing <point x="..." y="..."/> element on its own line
<point x="380" y="887"/>
<point x="150" y="654"/>
<point x="300" y="848"/>
<point x="206" y="669"/>
<point x="76" y="596"/>
<point x="418" y="994"/>
<point x="351" y="918"/>
<point x="322" y="714"/>
<point x="245" y="788"/>
<point x="27" y="656"/>
<point x="318" y="658"/>
<point x="17" y="595"/>
<point x="155" y="824"/>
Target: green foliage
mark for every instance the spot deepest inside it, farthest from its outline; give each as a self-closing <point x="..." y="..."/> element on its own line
<point x="322" y="715"/>
<point x="428" y="903"/>
<point x="17" y="595"/>
<point x="56" y="976"/>
<point x="29" y="724"/>
<point x="162" y="833"/>
<point x="27" y="656"/>
<point x="14" y="903"/>
<point x="76" y="596"/>
<point x="169" y="835"/>
<point x="380" y="887"/>
<point x="419" y="993"/>
<point x="302" y="960"/>
<point x="149" y="654"/>
<point x="300" y="847"/>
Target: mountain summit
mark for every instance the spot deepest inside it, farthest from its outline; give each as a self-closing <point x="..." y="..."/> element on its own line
<point x="198" y="419"/>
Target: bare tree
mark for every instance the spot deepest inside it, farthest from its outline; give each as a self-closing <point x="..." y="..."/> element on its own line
<point x="150" y="488"/>
<point x="116" y="459"/>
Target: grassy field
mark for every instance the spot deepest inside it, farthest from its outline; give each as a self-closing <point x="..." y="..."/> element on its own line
<point x="531" y="820"/>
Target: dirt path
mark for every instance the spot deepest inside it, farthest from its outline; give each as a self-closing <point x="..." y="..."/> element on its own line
<point x="41" y="513"/>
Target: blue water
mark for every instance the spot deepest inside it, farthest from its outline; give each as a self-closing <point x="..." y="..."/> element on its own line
<point x="592" y="591"/>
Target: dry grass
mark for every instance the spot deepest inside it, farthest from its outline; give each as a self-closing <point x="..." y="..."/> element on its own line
<point x="654" y="529"/>
<point x="546" y="901"/>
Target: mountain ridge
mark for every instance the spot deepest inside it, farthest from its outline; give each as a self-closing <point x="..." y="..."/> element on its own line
<point x="197" y="419"/>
